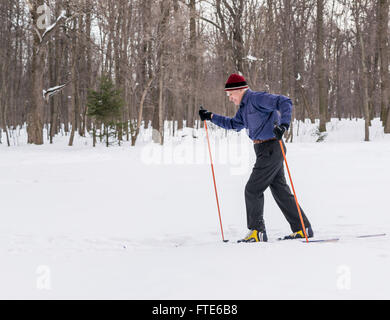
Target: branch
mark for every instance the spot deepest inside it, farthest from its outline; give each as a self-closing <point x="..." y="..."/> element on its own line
<point x="30" y="6"/>
<point x="204" y="19"/>
<point x="211" y="22"/>
<point x="38" y="33"/>
<point x="31" y="10"/>
<point x="229" y="8"/>
<point x="53" y="26"/>
<point x="47" y="94"/>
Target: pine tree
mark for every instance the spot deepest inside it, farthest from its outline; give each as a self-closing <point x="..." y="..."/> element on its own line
<point x="104" y="106"/>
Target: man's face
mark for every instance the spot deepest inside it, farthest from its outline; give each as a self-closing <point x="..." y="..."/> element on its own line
<point x="235" y="96"/>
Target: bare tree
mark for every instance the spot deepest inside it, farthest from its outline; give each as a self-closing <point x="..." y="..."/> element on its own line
<point x="383" y="43"/>
<point x="357" y="9"/>
<point x="330" y="57"/>
<point x="321" y="68"/>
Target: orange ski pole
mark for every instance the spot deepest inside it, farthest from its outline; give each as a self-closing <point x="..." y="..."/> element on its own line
<point x="295" y="196"/>
<point x="215" y="185"/>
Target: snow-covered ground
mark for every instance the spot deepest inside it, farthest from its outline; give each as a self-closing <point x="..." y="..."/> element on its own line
<point x="142" y="223"/>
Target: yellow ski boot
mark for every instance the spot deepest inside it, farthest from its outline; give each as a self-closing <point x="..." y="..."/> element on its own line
<point x="255" y="236"/>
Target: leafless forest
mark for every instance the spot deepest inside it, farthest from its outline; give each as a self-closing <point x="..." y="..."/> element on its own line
<point x="166" y="57"/>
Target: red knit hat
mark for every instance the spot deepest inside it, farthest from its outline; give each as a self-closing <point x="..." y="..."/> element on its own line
<point x="236" y="82"/>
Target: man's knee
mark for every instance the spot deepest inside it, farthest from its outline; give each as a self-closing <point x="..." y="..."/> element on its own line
<point x="253" y="189"/>
<point x="250" y="188"/>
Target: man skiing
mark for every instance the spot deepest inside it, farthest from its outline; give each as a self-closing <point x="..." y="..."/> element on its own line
<point x="266" y="117"/>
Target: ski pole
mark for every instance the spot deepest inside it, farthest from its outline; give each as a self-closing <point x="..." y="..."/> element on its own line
<point x="215" y="185"/>
<point x="295" y="196"/>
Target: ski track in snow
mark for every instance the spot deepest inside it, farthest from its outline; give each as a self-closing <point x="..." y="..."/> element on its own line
<point x="20" y="243"/>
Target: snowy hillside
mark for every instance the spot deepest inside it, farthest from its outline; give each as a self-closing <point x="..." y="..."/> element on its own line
<point x="142" y="223"/>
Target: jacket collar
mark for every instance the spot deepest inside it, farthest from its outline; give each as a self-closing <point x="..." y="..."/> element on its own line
<point x="245" y="97"/>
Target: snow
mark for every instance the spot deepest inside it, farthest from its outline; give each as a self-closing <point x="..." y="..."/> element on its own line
<point x="52" y="91"/>
<point x="55" y="88"/>
<point x="251" y="58"/>
<point x="142" y="223"/>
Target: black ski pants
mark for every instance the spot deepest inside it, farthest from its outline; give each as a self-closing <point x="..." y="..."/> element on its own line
<point x="269" y="172"/>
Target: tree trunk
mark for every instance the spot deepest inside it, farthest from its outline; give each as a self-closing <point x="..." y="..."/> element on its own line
<point x="383" y="21"/>
<point x="321" y="70"/>
<point x="158" y="123"/>
<point x="286" y="50"/>
<point x="160" y="103"/>
<point x="365" y="102"/>
<point x="140" y="113"/>
<point x="35" y="116"/>
<point x="365" y="90"/>
<point x="75" y="87"/>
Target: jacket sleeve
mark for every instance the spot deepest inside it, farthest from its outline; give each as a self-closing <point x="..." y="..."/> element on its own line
<point x="235" y="123"/>
<point x="285" y="108"/>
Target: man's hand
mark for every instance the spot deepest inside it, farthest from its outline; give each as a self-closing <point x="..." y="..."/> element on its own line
<point x="280" y="130"/>
<point x="204" y="114"/>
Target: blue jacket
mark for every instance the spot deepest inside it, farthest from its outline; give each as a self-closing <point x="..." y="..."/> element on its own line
<point x="258" y="113"/>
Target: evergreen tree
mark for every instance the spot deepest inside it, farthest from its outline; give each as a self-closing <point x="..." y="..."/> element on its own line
<point x="104" y="106"/>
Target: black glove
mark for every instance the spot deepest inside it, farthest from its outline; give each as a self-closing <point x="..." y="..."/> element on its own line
<point x="280" y="130"/>
<point x="204" y="114"/>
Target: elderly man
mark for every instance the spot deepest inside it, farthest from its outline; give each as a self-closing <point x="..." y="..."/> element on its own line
<point x="266" y="117"/>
